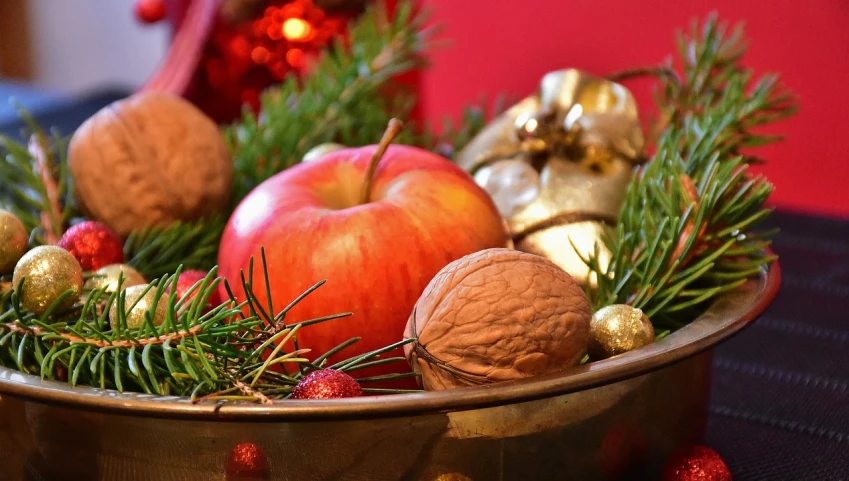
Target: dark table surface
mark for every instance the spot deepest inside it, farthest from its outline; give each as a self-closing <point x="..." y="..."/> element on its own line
<point x="780" y="395"/>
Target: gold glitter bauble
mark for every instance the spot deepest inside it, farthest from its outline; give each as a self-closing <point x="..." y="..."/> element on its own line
<point x="107" y="278"/>
<point x="48" y="272"/>
<point x="136" y="304"/>
<point x="616" y="329"/>
<point x="320" y="150"/>
<point x="13" y="241"/>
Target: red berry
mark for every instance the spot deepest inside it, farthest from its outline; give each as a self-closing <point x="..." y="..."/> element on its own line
<point x="327" y="384"/>
<point x="188" y="279"/>
<point x="93" y="244"/>
<point x="150" y="11"/>
<point x="696" y="463"/>
<point x="247" y="461"/>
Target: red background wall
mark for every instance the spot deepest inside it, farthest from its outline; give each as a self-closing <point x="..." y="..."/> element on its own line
<point x="507" y="45"/>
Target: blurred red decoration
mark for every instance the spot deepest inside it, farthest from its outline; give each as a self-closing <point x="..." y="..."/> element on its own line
<point x="93" y="244"/>
<point x="623" y="450"/>
<point x="150" y="11"/>
<point x="225" y="53"/>
<point x="247" y="462"/>
<point x="696" y="463"/>
<point x="327" y="384"/>
<point x="243" y="59"/>
<point x="187" y="280"/>
<point x="221" y="62"/>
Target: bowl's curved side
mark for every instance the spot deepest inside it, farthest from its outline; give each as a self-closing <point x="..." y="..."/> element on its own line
<point x="728" y="315"/>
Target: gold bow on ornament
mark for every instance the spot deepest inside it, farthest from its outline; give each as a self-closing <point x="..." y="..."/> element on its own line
<point x="558" y="163"/>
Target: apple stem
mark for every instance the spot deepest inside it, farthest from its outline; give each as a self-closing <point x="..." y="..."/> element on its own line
<point x="392" y="131"/>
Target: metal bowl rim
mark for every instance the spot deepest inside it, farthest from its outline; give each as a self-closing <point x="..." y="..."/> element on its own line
<point x="678" y="346"/>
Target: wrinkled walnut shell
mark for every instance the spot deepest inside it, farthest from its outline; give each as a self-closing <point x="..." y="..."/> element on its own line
<point x="497" y="315"/>
<point x="150" y="159"/>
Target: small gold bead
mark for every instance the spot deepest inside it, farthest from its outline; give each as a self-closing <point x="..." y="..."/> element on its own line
<point x="617" y="329"/>
<point x="136" y="304"/>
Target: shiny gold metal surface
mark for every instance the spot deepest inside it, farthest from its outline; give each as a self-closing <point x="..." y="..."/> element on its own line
<point x="582" y="135"/>
<point x="575" y="425"/>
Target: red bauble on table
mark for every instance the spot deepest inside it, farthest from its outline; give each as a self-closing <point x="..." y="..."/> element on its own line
<point x="423" y="213"/>
<point x="93" y="244"/>
<point x="327" y="384"/>
<point x="696" y="463"/>
<point x="247" y="462"/>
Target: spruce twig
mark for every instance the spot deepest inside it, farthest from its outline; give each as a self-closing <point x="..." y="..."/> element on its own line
<point x="202" y="354"/>
<point x="36" y="185"/>
<point x="685" y="230"/>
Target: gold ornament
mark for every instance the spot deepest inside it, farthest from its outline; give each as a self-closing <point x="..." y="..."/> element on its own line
<point x="136" y="304"/>
<point x="616" y="329"/>
<point x="13" y="241"/>
<point x="320" y="150"/>
<point x="581" y="137"/>
<point x="47" y="273"/>
<point x="107" y="278"/>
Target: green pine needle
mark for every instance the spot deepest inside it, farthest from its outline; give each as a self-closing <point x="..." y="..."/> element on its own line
<point x="194" y="353"/>
<point x="686" y="230"/>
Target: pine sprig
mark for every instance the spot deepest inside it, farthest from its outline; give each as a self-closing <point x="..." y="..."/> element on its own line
<point x="160" y="250"/>
<point x="232" y="351"/>
<point x="685" y="232"/>
<point x="36" y="184"/>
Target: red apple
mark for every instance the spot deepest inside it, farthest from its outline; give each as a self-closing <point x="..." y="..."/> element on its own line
<point x="377" y="257"/>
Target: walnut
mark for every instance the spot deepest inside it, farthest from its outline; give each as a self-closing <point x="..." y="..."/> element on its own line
<point x="150" y="159"/>
<point x="497" y="315"/>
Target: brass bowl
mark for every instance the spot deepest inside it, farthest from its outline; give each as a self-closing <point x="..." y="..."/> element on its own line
<point x="614" y="419"/>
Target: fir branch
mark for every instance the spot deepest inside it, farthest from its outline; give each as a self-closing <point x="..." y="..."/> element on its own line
<point x="205" y="355"/>
<point x="36" y="184"/>
<point x="685" y="230"/>
<point x="160" y="250"/>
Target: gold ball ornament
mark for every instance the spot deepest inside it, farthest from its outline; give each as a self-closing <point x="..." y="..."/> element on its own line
<point x="320" y="150"/>
<point x="47" y="273"/>
<point x="13" y="241"/>
<point x="150" y="159"/>
<point x="136" y="304"/>
<point x="107" y="278"/>
<point x="617" y="329"/>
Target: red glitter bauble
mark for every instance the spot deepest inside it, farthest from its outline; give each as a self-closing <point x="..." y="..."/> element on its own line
<point x="696" y="463"/>
<point x="188" y="279"/>
<point x="327" y="384"/>
<point x="93" y="244"/>
<point x="247" y="461"/>
<point x="150" y="11"/>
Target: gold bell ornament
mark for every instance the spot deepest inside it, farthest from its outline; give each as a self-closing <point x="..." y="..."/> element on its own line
<point x="557" y="165"/>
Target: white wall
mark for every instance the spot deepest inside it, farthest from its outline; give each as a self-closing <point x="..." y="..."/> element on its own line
<point x="81" y="45"/>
